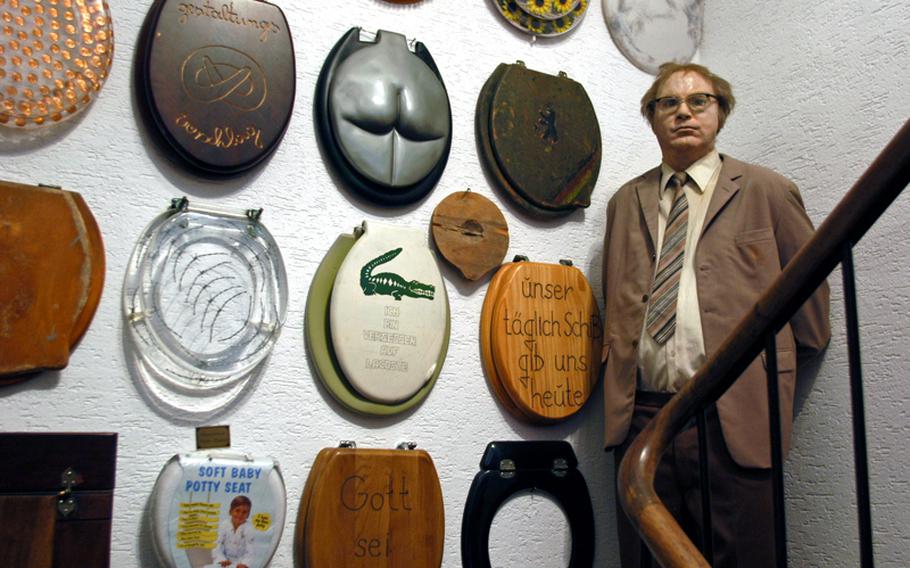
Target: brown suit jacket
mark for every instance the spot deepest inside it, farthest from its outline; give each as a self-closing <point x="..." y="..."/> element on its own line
<point x="755" y="224"/>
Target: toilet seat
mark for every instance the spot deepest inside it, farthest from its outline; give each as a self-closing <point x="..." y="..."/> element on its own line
<point x="388" y="314"/>
<point x="500" y="279"/>
<point x="205" y="299"/>
<point x="319" y="345"/>
<point x="370" y="508"/>
<point x="191" y="501"/>
<point x="52" y="274"/>
<point x="540" y="334"/>
<point x="383" y="117"/>
<point x="539" y="139"/>
<point x="508" y="468"/>
<point x="218" y="85"/>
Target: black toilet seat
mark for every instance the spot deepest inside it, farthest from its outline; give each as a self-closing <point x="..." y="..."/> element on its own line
<point x="508" y="468"/>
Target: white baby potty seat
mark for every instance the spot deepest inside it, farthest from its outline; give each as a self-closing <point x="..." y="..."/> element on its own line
<point x="218" y="505"/>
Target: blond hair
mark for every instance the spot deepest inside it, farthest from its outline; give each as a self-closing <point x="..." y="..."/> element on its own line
<point x="722" y="90"/>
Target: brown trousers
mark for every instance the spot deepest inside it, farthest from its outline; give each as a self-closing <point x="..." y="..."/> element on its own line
<point x="742" y="514"/>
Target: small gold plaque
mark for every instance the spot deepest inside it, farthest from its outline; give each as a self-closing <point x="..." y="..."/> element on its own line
<point x="208" y="437"/>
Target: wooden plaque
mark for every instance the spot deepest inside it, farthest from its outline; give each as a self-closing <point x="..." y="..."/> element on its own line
<point x="218" y="80"/>
<point x="51" y="276"/>
<point x="546" y="335"/>
<point x="471" y="233"/>
<point x="367" y="508"/>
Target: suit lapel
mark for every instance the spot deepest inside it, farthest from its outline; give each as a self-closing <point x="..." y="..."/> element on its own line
<point x="727" y="186"/>
<point x="648" y="191"/>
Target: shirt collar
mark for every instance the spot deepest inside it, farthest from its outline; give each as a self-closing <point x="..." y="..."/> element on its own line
<point x="701" y="171"/>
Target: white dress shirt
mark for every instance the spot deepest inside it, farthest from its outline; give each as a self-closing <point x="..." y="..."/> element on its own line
<point x="667" y="367"/>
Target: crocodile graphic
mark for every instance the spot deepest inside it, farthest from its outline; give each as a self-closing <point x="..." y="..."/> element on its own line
<point x="389" y="283"/>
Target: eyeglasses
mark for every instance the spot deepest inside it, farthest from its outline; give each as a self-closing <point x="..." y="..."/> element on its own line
<point x="697" y="102"/>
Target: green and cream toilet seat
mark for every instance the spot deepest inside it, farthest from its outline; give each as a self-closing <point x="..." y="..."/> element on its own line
<point x="383" y="288"/>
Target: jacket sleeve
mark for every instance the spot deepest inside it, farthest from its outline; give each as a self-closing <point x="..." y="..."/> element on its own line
<point x="810" y="324"/>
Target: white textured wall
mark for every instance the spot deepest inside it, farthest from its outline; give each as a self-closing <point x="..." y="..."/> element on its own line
<point x="109" y="157"/>
<point x="830" y="113"/>
<point x="821" y="88"/>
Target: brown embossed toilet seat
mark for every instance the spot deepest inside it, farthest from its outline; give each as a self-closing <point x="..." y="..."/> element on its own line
<point x="218" y="84"/>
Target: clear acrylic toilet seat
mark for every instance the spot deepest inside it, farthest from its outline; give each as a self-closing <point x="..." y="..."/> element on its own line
<point x="205" y="298"/>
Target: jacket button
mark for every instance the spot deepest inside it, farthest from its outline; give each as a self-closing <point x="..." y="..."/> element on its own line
<point x="644" y="298"/>
<point x="634" y="343"/>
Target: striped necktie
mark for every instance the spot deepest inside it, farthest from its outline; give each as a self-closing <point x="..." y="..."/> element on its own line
<point x="661" y="322"/>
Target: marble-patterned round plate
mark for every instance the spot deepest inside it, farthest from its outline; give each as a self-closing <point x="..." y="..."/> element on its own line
<point x="652" y="32"/>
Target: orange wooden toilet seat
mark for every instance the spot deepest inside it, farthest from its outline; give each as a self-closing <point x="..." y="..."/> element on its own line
<point x="371" y="508"/>
<point x="541" y="335"/>
<point x="51" y="276"/>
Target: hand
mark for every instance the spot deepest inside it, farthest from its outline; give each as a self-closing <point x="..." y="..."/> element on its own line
<point x="242" y="566"/>
<point x="225" y="563"/>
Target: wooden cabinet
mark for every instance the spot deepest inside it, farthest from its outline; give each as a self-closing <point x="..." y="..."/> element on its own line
<point x="56" y="499"/>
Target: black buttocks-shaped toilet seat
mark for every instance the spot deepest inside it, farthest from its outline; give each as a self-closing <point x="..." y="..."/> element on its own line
<point x="508" y="468"/>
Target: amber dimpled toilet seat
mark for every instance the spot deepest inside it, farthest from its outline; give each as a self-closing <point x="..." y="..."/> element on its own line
<point x="54" y="58"/>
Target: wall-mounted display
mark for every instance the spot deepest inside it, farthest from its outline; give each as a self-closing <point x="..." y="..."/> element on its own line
<point x="218" y="83"/>
<point x="543" y="18"/>
<point x="509" y="469"/>
<point x="51" y="276"/>
<point x="218" y="508"/>
<point x="541" y="336"/>
<point x="377" y="320"/>
<point x="364" y="508"/>
<point x="53" y="59"/>
<point x="654" y="32"/>
<point x="471" y="233"/>
<point x="383" y="116"/>
<point x="539" y="139"/>
<point x="205" y="298"/>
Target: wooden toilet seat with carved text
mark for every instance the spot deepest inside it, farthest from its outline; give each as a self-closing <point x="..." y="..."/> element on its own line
<point x="371" y="508"/>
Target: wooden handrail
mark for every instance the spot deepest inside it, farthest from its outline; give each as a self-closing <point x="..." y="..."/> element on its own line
<point x="875" y="190"/>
